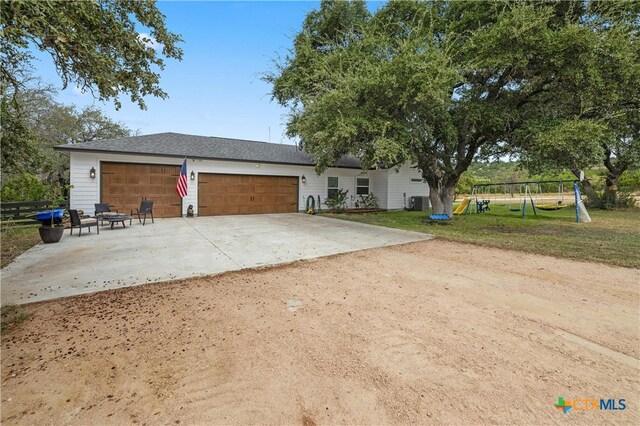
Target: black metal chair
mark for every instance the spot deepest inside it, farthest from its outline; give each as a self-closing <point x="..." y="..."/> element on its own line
<point x="103" y="210"/>
<point x="146" y="208"/>
<point x="78" y="222"/>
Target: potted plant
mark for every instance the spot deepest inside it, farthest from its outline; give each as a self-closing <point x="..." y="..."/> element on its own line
<point x="52" y="229"/>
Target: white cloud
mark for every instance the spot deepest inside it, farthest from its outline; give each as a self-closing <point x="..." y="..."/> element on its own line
<point x="149" y="41"/>
<point x="78" y="91"/>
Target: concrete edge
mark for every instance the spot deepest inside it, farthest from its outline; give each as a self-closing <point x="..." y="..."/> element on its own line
<point x="231" y="271"/>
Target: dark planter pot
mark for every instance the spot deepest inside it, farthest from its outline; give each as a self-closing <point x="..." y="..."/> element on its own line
<point x="51" y="234"/>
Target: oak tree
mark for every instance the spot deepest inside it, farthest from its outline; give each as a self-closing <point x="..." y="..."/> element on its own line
<point x="591" y="114"/>
<point x="95" y="45"/>
<point x="434" y="83"/>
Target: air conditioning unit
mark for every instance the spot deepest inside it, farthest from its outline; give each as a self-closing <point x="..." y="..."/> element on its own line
<point x="419" y="204"/>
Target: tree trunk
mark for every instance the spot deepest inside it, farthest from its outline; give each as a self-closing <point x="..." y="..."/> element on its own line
<point x="611" y="190"/>
<point x="436" y="203"/>
<point x="442" y="199"/>
<point x="612" y="179"/>
<point x="593" y="199"/>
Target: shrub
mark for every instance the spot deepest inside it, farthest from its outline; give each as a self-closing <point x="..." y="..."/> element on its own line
<point x="625" y="199"/>
<point x="368" y="201"/>
<point x="24" y="187"/>
<point x="630" y="180"/>
<point x="338" y="201"/>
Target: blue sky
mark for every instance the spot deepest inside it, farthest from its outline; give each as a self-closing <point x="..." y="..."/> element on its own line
<point x="216" y="90"/>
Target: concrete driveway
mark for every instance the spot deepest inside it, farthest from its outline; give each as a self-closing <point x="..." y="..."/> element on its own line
<point x="182" y="248"/>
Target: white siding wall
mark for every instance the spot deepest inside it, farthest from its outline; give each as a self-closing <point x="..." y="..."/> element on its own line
<point x="399" y="183"/>
<point x="85" y="191"/>
<point x="346" y="181"/>
<point x="380" y="181"/>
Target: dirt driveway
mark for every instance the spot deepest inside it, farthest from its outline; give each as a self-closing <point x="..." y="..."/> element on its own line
<point x="428" y="332"/>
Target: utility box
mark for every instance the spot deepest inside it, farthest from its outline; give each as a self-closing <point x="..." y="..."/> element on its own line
<point x="420" y="204"/>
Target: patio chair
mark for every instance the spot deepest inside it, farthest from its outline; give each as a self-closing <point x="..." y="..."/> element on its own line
<point x="78" y="222"/>
<point x="103" y="210"/>
<point x="146" y="208"/>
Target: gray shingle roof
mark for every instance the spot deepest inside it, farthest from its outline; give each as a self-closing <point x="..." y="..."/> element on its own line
<point x="204" y="147"/>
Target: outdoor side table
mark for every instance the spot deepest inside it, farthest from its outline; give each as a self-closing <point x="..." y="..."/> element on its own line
<point x="113" y="219"/>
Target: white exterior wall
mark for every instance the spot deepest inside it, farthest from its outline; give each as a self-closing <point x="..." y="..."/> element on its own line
<point x="85" y="191"/>
<point x="387" y="185"/>
<point x="399" y="184"/>
<point x="380" y="180"/>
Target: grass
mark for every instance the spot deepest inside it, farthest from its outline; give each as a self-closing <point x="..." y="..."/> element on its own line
<point x="15" y="240"/>
<point x="613" y="237"/>
<point x="11" y="315"/>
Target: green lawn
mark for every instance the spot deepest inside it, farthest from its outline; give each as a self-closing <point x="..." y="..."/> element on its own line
<point x="16" y="240"/>
<point x="613" y="237"/>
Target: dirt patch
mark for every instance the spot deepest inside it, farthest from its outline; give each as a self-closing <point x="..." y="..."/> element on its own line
<point x="307" y="420"/>
<point x="429" y="332"/>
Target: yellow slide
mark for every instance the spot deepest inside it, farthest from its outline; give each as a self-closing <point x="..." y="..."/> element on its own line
<point x="462" y="206"/>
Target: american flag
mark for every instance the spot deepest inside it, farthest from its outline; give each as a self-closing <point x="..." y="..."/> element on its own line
<point x="181" y="187"/>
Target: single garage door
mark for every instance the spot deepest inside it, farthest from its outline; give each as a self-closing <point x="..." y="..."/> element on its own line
<point x="222" y="194"/>
<point x="124" y="185"/>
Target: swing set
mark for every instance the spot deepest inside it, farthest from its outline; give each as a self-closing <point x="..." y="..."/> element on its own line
<point x="484" y="195"/>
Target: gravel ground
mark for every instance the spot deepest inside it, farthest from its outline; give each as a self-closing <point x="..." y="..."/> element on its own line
<point x="428" y="332"/>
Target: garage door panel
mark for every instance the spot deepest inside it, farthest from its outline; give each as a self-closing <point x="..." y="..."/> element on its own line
<point x="224" y="194"/>
<point x="129" y="189"/>
<point x="136" y="169"/>
<point x="116" y="190"/>
<point x="131" y="200"/>
<point x="245" y="209"/>
<point x="116" y="169"/>
<point x="168" y="180"/>
<point x="286" y="191"/>
<point x="114" y="179"/>
<point x="132" y="179"/>
<point x="125" y="185"/>
<point x="157" y="180"/>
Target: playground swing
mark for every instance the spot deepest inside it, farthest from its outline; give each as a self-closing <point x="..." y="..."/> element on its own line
<point x="481" y="193"/>
<point x="517" y="208"/>
<point x="559" y="201"/>
<point x="503" y="196"/>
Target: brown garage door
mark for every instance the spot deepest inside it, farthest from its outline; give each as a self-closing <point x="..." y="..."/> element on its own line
<point x="124" y="185"/>
<point x="220" y="194"/>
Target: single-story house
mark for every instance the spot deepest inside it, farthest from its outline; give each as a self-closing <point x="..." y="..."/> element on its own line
<point x="225" y="176"/>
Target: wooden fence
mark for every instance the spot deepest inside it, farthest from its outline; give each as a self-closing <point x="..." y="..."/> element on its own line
<point x="22" y="213"/>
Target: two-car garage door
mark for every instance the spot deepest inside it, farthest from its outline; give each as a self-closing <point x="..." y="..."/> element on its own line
<point x="225" y="194"/>
<point x="124" y="185"/>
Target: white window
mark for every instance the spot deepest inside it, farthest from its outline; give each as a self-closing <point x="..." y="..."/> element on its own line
<point x="362" y="186"/>
<point x="332" y="185"/>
